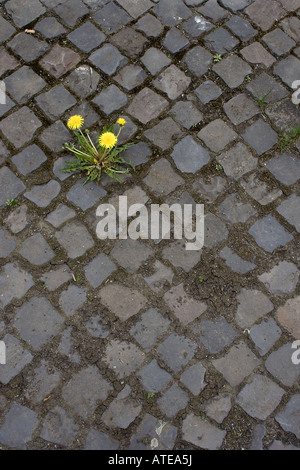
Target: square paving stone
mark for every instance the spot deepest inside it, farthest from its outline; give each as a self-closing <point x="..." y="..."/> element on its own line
<point x="153" y="428"/>
<point x="232" y="70"/>
<point x="264" y="14"/>
<point x="24" y="12"/>
<point x="189" y="156"/>
<point x="55" y="278"/>
<point x="7" y="30"/>
<point x="214" y="232"/>
<point x="24" y="84"/>
<point x="85" y="196"/>
<point x="149" y="25"/>
<point x="36" y="250"/>
<point x="18" y="427"/>
<point x="42" y="195"/>
<point x="220" y="41"/>
<point x="123" y="357"/>
<point x="278" y="42"/>
<point x="123" y="410"/>
<point x="198" y="60"/>
<point x="155" y="60"/>
<point x="161" y="278"/>
<point x="288" y="418"/>
<point x="87" y="112"/>
<point x="288" y="316"/>
<point x="208" y="91"/>
<point x="130" y="77"/>
<point x="83" y="81"/>
<point x="7" y="243"/>
<point x="59" y="61"/>
<point x="177" y="351"/>
<point x="218" y="407"/>
<point x="96" y="329"/>
<point x="153" y="378"/>
<point x="240" y="109"/>
<point x="72" y="299"/>
<point x="110" y="99"/>
<point x="280" y="365"/>
<point x="193" y="378"/>
<point x="183" y="306"/>
<point x="269" y="234"/>
<point x="237" y="364"/>
<point x="59" y="427"/>
<point x="17" y="358"/>
<point x="241" y="28"/>
<point x="108" y="59"/>
<point x="122" y="301"/>
<point x="235" y="5"/>
<point x="60" y="165"/>
<point x="131" y="254"/>
<point x="7" y="61"/>
<point x="260" y="136"/>
<point x="237" y="161"/>
<point x="41" y="381"/>
<point x="257" y="54"/>
<point x="196" y="26"/>
<point x="285" y="168"/>
<point x="135" y="9"/>
<point x="291" y="26"/>
<point x="147" y="105"/>
<point x="164" y="134"/>
<point x="9" y="104"/>
<point x="82" y="399"/>
<point x="98" y="270"/>
<point x="260" y="397"/>
<point x="259" y="190"/>
<point x="202" y="433"/>
<point x="290" y="210"/>
<point x="138" y="154"/>
<point x="131" y="42"/>
<point x="75" y="239"/>
<point x="217" y="135"/>
<point x="160" y="173"/>
<point x="172" y="401"/>
<point x="56" y="102"/>
<point x="235" y="262"/>
<point x="10" y="185"/>
<point x="287" y="69"/>
<point x="27" y="47"/>
<point x="150" y="328"/>
<point x="215" y="335"/>
<point x="173" y="82"/>
<point x="55" y="136"/>
<point x="111" y="18"/>
<point x="212" y="10"/>
<point x="265" y="335"/>
<point x="252" y="305"/>
<point x="171" y="12"/>
<point x="4" y="153"/>
<point x="23" y="119"/>
<point x="283" y="115"/>
<point x="29" y="159"/>
<point x="186" y="114"/>
<point x="50" y="28"/>
<point x="175" y="41"/>
<point x="266" y="86"/>
<point x="37" y="322"/>
<point x="100" y="441"/>
<point x="179" y="257"/>
<point x="70" y="11"/>
<point x="14" y="282"/>
<point x="87" y="37"/>
<point x="234" y="211"/>
<point x="282" y="279"/>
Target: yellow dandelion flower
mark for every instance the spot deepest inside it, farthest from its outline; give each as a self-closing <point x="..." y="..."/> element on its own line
<point x="121" y="122"/>
<point x="95" y="161"/>
<point x="108" y="140"/>
<point x="75" y="122"/>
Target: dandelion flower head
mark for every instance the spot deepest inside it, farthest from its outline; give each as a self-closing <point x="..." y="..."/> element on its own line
<point x="75" y="122"/>
<point x="121" y="122"/>
<point x="108" y="140"/>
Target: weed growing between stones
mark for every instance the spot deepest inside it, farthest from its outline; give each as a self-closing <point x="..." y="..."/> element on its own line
<point x="94" y="159"/>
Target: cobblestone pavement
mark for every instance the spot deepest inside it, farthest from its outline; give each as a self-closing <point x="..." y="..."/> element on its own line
<point x="138" y="344"/>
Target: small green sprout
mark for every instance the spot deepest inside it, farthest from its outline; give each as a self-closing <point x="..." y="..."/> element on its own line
<point x="12" y="203"/>
<point x="219" y="167"/>
<point x="217" y="57"/>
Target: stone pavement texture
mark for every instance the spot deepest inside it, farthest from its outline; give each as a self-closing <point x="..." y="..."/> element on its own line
<point x="139" y="344"/>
